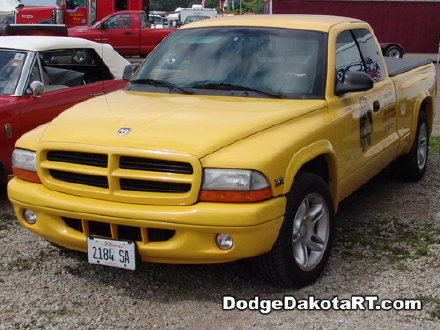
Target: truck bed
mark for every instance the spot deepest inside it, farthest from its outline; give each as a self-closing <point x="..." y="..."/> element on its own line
<point x="400" y="65"/>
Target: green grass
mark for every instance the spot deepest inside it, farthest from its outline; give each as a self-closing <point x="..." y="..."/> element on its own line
<point x="22" y="262"/>
<point x="391" y="239"/>
<point x="434" y="144"/>
<point x="435" y="313"/>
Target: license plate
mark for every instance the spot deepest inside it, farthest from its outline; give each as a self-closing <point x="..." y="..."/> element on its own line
<point x="113" y="253"/>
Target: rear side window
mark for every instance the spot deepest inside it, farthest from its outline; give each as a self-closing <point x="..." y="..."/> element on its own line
<point x="85" y="61"/>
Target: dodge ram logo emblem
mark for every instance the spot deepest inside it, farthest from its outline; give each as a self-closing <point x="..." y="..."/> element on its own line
<point x="123" y="131"/>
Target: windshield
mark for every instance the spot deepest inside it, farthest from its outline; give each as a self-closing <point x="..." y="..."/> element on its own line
<point x="257" y="62"/>
<point x="11" y="64"/>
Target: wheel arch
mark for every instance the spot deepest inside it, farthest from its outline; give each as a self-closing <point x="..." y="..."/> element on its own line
<point x="317" y="158"/>
<point x="427" y="106"/>
<point x="423" y="104"/>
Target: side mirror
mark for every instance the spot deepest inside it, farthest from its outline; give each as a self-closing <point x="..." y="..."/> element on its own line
<point x="353" y="81"/>
<point x="37" y="88"/>
<point x="129" y="71"/>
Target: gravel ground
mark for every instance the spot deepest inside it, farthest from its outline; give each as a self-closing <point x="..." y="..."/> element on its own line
<point x="387" y="244"/>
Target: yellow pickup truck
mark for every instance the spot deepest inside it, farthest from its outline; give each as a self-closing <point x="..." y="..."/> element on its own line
<point x="236" y="138"/>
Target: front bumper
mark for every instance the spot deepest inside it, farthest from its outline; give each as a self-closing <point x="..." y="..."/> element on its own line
<point x="186" y="233"/>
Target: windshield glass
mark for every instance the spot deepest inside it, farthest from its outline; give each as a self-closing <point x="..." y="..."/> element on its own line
<point x="258" y="62"/>
<point x="11" y="64"/>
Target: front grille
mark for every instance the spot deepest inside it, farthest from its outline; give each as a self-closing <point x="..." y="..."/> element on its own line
<point x="155" y="165"/>
<point x="85" y="179"/>
<point x="129" y="233"/>
<point x="154" y="186"/>
<point x="122" y="174"/>
<point x="74" y="157"/>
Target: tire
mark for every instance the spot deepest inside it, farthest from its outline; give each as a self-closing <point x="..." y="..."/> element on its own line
<point x="394" y="51"/>
<point x="302" y="249"/>
<point x="3" y="183"/>
<point x="412" y="166"/>
<point x="46" y="21"/>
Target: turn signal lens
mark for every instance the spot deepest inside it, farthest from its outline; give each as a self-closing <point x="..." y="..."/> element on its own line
<point x="26" y="175"/>
<point x="228" y="196"/>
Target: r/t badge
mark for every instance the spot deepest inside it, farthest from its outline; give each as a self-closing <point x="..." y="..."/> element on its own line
<point x="124" y="131"/>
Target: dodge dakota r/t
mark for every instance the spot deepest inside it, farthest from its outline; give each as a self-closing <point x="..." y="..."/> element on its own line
<point x="236" y="138"/>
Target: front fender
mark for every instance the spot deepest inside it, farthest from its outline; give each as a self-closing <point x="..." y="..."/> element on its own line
<point x="320" y="148"/>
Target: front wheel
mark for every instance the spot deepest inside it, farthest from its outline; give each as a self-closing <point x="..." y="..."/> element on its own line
<point x="303" y="247"/>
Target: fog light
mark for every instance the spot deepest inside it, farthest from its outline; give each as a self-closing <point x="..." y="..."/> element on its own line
<point x="224" y="241"/>
<point x="30" y="216"/>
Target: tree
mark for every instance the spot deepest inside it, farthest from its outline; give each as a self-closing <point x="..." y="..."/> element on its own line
<point x="255" y="6"/>
<point x="170" y="5"/>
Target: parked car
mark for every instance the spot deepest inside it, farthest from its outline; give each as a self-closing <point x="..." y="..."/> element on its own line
<point x="5" y="20"/>
<point x="129" y="31"/>
<point x="42" y="76"/>
<point x="191" y="19"/>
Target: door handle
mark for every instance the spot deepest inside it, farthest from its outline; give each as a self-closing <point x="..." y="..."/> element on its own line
<point x="376" y="106"/>
<point x="128" y="32"/>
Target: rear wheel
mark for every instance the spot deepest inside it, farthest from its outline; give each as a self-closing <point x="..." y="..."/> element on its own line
<point x="303" y="247"/>
<point x="412" y="166"/>
<point x="3" y="182"/>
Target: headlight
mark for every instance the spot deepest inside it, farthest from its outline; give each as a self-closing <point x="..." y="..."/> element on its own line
<point x="234" y="185"/>
<point x="24" y="165"/>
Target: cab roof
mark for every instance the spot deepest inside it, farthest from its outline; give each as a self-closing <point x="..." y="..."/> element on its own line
<point x="115" y="62"/>
<point x="45" y="43"/>
<point x="321" y="23"/>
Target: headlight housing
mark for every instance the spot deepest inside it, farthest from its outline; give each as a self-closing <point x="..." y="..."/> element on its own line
<point x="24" y="165"/>
<point x="234" y="186"/>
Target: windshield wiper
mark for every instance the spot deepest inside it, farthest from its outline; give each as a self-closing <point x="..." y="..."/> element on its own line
<point x="159" y="83"/>
<point x="227" y="86"/>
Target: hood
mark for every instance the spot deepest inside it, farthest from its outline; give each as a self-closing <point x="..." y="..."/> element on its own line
<point x="77" y="30"/>
<point x="196" y="125"/>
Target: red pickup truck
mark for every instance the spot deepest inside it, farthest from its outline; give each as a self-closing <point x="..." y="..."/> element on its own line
<point x="128" y="31"/>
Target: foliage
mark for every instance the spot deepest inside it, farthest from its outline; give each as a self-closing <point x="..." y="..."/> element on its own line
<point x="255" y="6"/>
<point x="434" y="145"/>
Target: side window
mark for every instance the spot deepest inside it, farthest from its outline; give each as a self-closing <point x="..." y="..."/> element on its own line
<point x="122" y="21"/>
<point x="374" y="65"/>
<point x="72" y="67"/>
<point x="145" y="23"/>
<point x="348" y="57"/>
<point x="35" y="73"/>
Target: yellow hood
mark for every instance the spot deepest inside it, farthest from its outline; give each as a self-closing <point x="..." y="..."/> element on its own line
<point x="196" y="125"/>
